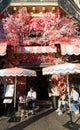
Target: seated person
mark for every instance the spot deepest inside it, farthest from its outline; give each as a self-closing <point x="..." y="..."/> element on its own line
<point x="74" y="96"/>
<point x="31" y="98"/>
<point x="22" y="98"/>
<point x="61" y="102"/>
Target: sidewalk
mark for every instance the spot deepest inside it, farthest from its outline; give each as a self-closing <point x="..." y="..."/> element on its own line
<point x="46" y="119"/>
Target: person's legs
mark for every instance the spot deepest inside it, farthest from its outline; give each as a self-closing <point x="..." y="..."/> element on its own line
<point x="55" y="100"/>
<point x="30" y="105"/>
<point x="33" y="104"/>
<point x="60" y="104"/>
<point x="59" y="107"/>
<point x="52" y="102"/>
<point x="74" y="108"/>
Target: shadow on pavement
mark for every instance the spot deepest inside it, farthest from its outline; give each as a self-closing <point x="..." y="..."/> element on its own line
<point x="72" y="125"/>
<point x="31" y="120"/>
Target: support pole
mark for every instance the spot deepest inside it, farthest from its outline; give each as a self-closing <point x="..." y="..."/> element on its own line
<point x="15" y="92"/>
<point x="69" y="98"/>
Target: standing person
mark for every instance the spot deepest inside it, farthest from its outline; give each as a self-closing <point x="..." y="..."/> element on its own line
<point x="74" y="96"/>
<point x="62" y="99"/>
<point x="54" y="94"/>
<point x="31" y="99"/>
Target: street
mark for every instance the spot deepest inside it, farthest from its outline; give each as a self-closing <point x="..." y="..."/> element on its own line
<point x="46" y="119"/>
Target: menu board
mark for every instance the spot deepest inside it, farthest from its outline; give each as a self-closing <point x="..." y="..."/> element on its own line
<point x="9" y="94"/>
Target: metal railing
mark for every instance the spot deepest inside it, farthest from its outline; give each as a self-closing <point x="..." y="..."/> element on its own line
<point x="4" y="4"/>
<point x="71" y="8"/>
<point x="77" y="2"/>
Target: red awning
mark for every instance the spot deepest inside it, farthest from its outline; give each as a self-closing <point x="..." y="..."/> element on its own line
<point x="70" y="49"/>
<point x="36" y="49"/>
<point x="3" y="47"/>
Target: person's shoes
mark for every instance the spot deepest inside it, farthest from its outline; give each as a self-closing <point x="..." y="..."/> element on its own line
<point x="51" y="107"/>
<point x="60" y="113"/>
<point x="57" y="110"/>
<point x="31" y="111"/>
<point x="77" y="112"/>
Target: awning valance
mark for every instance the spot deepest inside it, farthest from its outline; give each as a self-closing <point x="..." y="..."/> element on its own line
<point x="17" y="72"/>
<point x="70" y="49"/>
<point x="36" y="49"/>
<point x="62" y="68"/>
<point x="3" y="47"/>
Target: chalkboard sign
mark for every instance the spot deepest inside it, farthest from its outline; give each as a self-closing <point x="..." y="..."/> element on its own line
<point x="4" y="4"/>
<point x="8" y="96"/>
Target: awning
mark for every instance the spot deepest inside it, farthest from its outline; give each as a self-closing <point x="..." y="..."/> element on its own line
<point x="36" y="49"/>
<point x="17" y="72"/>
<point x="70" y="49"/>
<point x="3" y="47"/>
<point x="65" y="68"/>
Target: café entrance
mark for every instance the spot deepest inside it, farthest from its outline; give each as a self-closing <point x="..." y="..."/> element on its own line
<point x="40" y="84"/>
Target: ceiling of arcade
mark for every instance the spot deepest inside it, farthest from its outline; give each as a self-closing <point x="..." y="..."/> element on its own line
<point x="34" y="8"/>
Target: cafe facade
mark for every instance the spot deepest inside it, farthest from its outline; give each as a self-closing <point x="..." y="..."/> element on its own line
<point x="35" y="49"/>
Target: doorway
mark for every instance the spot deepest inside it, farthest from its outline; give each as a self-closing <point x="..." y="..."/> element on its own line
<point x="40" y="84"/>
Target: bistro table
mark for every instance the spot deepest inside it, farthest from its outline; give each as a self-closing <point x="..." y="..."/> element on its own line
<point x="23" y="109"/>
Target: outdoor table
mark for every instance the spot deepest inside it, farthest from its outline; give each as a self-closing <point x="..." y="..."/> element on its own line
<point x="23" y="110"/>
<point x="21" y="107"/>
